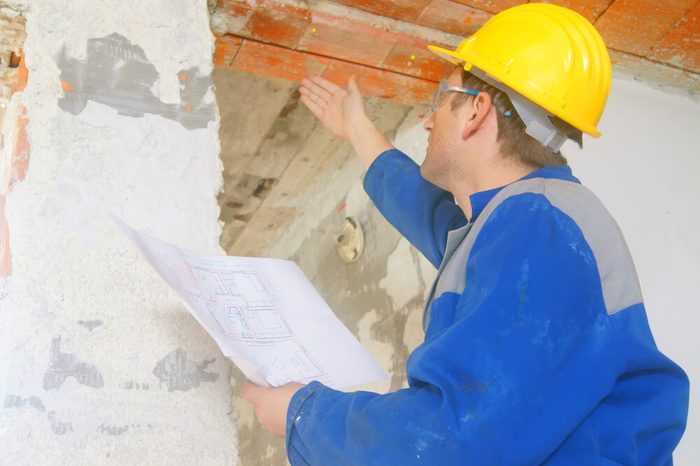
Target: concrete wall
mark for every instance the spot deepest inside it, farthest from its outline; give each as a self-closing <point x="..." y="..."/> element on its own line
<point x="643" y="168"/>
<point x="100" y="362"/>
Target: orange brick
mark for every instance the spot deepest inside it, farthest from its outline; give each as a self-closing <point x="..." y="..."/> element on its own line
<point x="635" y="26"/>
<point x="235" y="8"/>
<point x="278" y="24"/>
<point x="590" y="9"/>
<point x="681" y="46"/>
<point x="453" y="17"/>
<point x="683" y="4"/>
<point x="272" y="61"/>
<point x="404" y="10"/>
<point x="226" y="49"/>
<point x="20" y="158"/>
<point x="492" y="6"/>
<point x="278" y="62"/>
<point x="384" y="84"/>
<point x="414" y="59"/>
<point x="18" y="170"/>
<point x="346" y="39"/>
<point x="22" y="75"/>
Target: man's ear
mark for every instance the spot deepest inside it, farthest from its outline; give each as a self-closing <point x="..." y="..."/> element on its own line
<point x="475" y="113"/>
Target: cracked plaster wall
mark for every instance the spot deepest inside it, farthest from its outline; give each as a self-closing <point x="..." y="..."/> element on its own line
<point x="101" y="363"/>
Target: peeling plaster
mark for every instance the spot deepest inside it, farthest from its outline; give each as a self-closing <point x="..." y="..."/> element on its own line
<point x="382" y="351"/>
<point x="117" y="73"/>
<point x="90" y="324"/>
<point x="16" y="401"/>
<point x="223" y="23"/>
<point x="64" y="365"/>
<point x="397" y="284"/>
<point x="58" y="427"/>
<point x="131" y="385"/>
<point x="112" y="430"/>
<point x="180" y="373"/>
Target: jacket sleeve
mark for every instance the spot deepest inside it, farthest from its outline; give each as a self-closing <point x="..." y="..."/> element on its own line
<point x="508" y="370"/>
<point x="422" y="212"/>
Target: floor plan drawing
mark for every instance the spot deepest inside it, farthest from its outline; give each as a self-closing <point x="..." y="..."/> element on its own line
<point x="286" y="361"/>
<point x="242" y="303"/>
<point x="264" y="315"/>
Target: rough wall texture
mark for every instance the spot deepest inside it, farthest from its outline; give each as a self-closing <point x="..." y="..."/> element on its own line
<point x="289" y="184"/>
<point x="14" y="148"/>
<point x="100" y="363"/>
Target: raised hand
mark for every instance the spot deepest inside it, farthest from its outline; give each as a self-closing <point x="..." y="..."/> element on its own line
<point x="338" y="109"/>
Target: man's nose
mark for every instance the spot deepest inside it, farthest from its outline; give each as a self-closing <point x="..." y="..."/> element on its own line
<point x="428" y="123"/>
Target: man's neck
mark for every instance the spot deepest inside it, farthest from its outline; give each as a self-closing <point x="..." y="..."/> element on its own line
<point x="494" y="176"/>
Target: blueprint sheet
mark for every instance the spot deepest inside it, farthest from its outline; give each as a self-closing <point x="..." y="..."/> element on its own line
<point x="264" y="314"/>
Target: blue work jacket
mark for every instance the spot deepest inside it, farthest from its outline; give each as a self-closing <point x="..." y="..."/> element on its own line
<point x="537" y="347"/>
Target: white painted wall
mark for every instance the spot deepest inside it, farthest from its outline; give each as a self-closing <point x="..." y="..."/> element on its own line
<point x="100" y="362"/>
<point x="645" y="168"/>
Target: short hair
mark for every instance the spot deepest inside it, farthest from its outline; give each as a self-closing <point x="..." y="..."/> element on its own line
<point x="514" y="141"/>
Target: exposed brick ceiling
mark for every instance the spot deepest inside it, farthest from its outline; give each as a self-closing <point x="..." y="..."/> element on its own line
<point x="383" y="42"/>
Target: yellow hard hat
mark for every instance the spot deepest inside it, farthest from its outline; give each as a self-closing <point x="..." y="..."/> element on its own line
<point x="549" y="54"/>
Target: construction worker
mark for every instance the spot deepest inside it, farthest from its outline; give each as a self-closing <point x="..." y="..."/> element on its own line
<point x="537" y="347"/>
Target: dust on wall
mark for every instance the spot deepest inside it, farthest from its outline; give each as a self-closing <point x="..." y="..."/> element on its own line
<point x="101" y="363"/>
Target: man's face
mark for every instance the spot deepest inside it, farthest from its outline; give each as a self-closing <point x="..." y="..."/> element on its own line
<point x="445" y="134"/>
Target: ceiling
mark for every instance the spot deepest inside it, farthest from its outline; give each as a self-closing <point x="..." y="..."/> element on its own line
<point x="383" y="42"/>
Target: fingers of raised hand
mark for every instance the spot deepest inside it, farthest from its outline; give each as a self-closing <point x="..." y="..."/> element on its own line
<point x="310" y="86"/>
<point x="315" y="108"/>
<point x="325" y="84"/>
<point x="314" y="97"/>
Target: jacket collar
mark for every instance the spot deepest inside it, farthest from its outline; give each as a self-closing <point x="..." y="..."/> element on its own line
<point x="560" y="172"/>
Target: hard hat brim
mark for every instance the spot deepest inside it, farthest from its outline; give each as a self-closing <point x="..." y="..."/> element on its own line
<point x="448" y="55"/>
<point x="453" y="57"/>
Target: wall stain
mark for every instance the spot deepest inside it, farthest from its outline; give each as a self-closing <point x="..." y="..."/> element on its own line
<point x="58" y="427"/>
<point x="117" y="73"/>
<point x="180" y="373"/>
<point x="90" y="324"/>
<point x="131" y="385"/>
<point x="16" y="401"/>
<point x="112" y="430"/>
<point x="291" y="105"/>
<point x="63" y="365"/>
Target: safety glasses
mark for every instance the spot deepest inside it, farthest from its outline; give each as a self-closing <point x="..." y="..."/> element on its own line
<point x="444" y="88"/>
